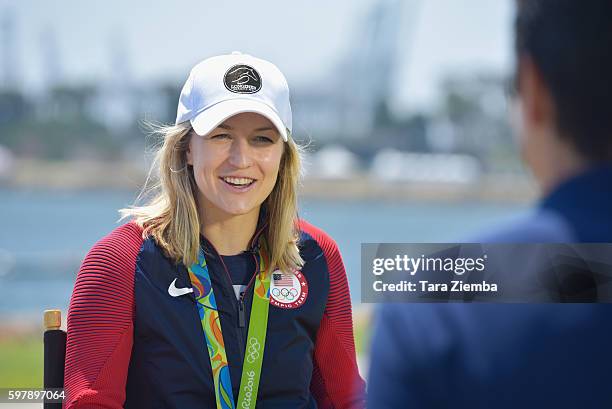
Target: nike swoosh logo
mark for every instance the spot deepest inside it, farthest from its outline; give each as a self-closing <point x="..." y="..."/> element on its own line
<point x="177" y="292"/>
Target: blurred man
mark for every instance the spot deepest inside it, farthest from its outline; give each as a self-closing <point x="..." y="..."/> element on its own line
<point x="518" y="355"/>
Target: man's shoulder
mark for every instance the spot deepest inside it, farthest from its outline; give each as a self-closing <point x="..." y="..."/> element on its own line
<point x="538" y="226"/>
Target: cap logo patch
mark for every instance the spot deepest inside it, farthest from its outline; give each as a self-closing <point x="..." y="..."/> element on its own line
<point x="242" y="79"/>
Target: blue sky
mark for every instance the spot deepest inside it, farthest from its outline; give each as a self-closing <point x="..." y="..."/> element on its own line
<point x="162" y="40"/>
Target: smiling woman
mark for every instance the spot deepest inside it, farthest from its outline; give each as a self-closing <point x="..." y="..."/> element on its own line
<point x="215" y="294"/>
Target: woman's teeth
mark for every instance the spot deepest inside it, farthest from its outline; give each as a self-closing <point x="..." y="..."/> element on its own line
<point x="238" y="181"/>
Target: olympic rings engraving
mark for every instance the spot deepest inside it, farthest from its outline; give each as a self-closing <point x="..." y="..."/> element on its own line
<point x="253" y="350"/>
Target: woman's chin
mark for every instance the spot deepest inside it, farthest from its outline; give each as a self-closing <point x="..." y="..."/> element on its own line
<point x="239" y="209"/>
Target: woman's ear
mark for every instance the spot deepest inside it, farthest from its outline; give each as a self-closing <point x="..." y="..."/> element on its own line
<point x="188" y="153"/>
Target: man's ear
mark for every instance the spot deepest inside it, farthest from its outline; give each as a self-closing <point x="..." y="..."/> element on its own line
<point x="536" y="100"/>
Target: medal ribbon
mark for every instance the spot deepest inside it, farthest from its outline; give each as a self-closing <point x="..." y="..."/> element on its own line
<point x="256" y="335"/>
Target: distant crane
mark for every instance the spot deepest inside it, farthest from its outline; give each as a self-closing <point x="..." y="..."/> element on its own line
<point x="345" y="102"/>
<point x="10" y="69"/>
<point x="368" y="70"/>
<point x="50" y="52"/>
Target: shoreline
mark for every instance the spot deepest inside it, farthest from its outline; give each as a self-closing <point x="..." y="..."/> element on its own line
<point x="121" y="175"/>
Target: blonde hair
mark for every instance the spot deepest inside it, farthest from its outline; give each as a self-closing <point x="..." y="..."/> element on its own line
<point x="170" y="214"/>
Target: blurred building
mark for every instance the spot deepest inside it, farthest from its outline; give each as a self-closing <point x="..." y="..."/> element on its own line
<point x="347" y="108"/>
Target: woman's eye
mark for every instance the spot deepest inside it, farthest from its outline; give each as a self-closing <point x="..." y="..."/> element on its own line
<point x="263" y="139"/>
<point x="220" y="136"/>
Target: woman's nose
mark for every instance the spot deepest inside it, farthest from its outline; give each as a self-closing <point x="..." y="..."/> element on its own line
<point x="240" y="153"/>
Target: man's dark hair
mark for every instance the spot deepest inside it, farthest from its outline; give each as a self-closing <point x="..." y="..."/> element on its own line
<point x="570" y="42"/>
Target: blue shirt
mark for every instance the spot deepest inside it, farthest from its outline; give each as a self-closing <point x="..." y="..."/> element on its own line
<point x="505" y="355"/>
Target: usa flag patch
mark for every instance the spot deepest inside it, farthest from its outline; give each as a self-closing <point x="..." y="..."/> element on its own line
<point x="288" y="289"/>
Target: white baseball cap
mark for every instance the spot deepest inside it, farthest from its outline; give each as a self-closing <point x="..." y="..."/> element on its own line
<point x="222" y="86"/>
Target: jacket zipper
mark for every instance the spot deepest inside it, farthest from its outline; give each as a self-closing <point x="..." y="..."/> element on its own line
<point x="241" y="305"/>
<point x="242" y="311"/>
<point x="241" y="328"/>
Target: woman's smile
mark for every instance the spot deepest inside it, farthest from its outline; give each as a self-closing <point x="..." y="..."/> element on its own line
<point x="238" y="184"/>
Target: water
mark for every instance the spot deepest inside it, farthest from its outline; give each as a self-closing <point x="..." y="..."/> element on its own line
<point x="45" y="234"/>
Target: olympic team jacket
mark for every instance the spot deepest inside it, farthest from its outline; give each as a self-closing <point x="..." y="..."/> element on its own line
<point x="135" y="342"/>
